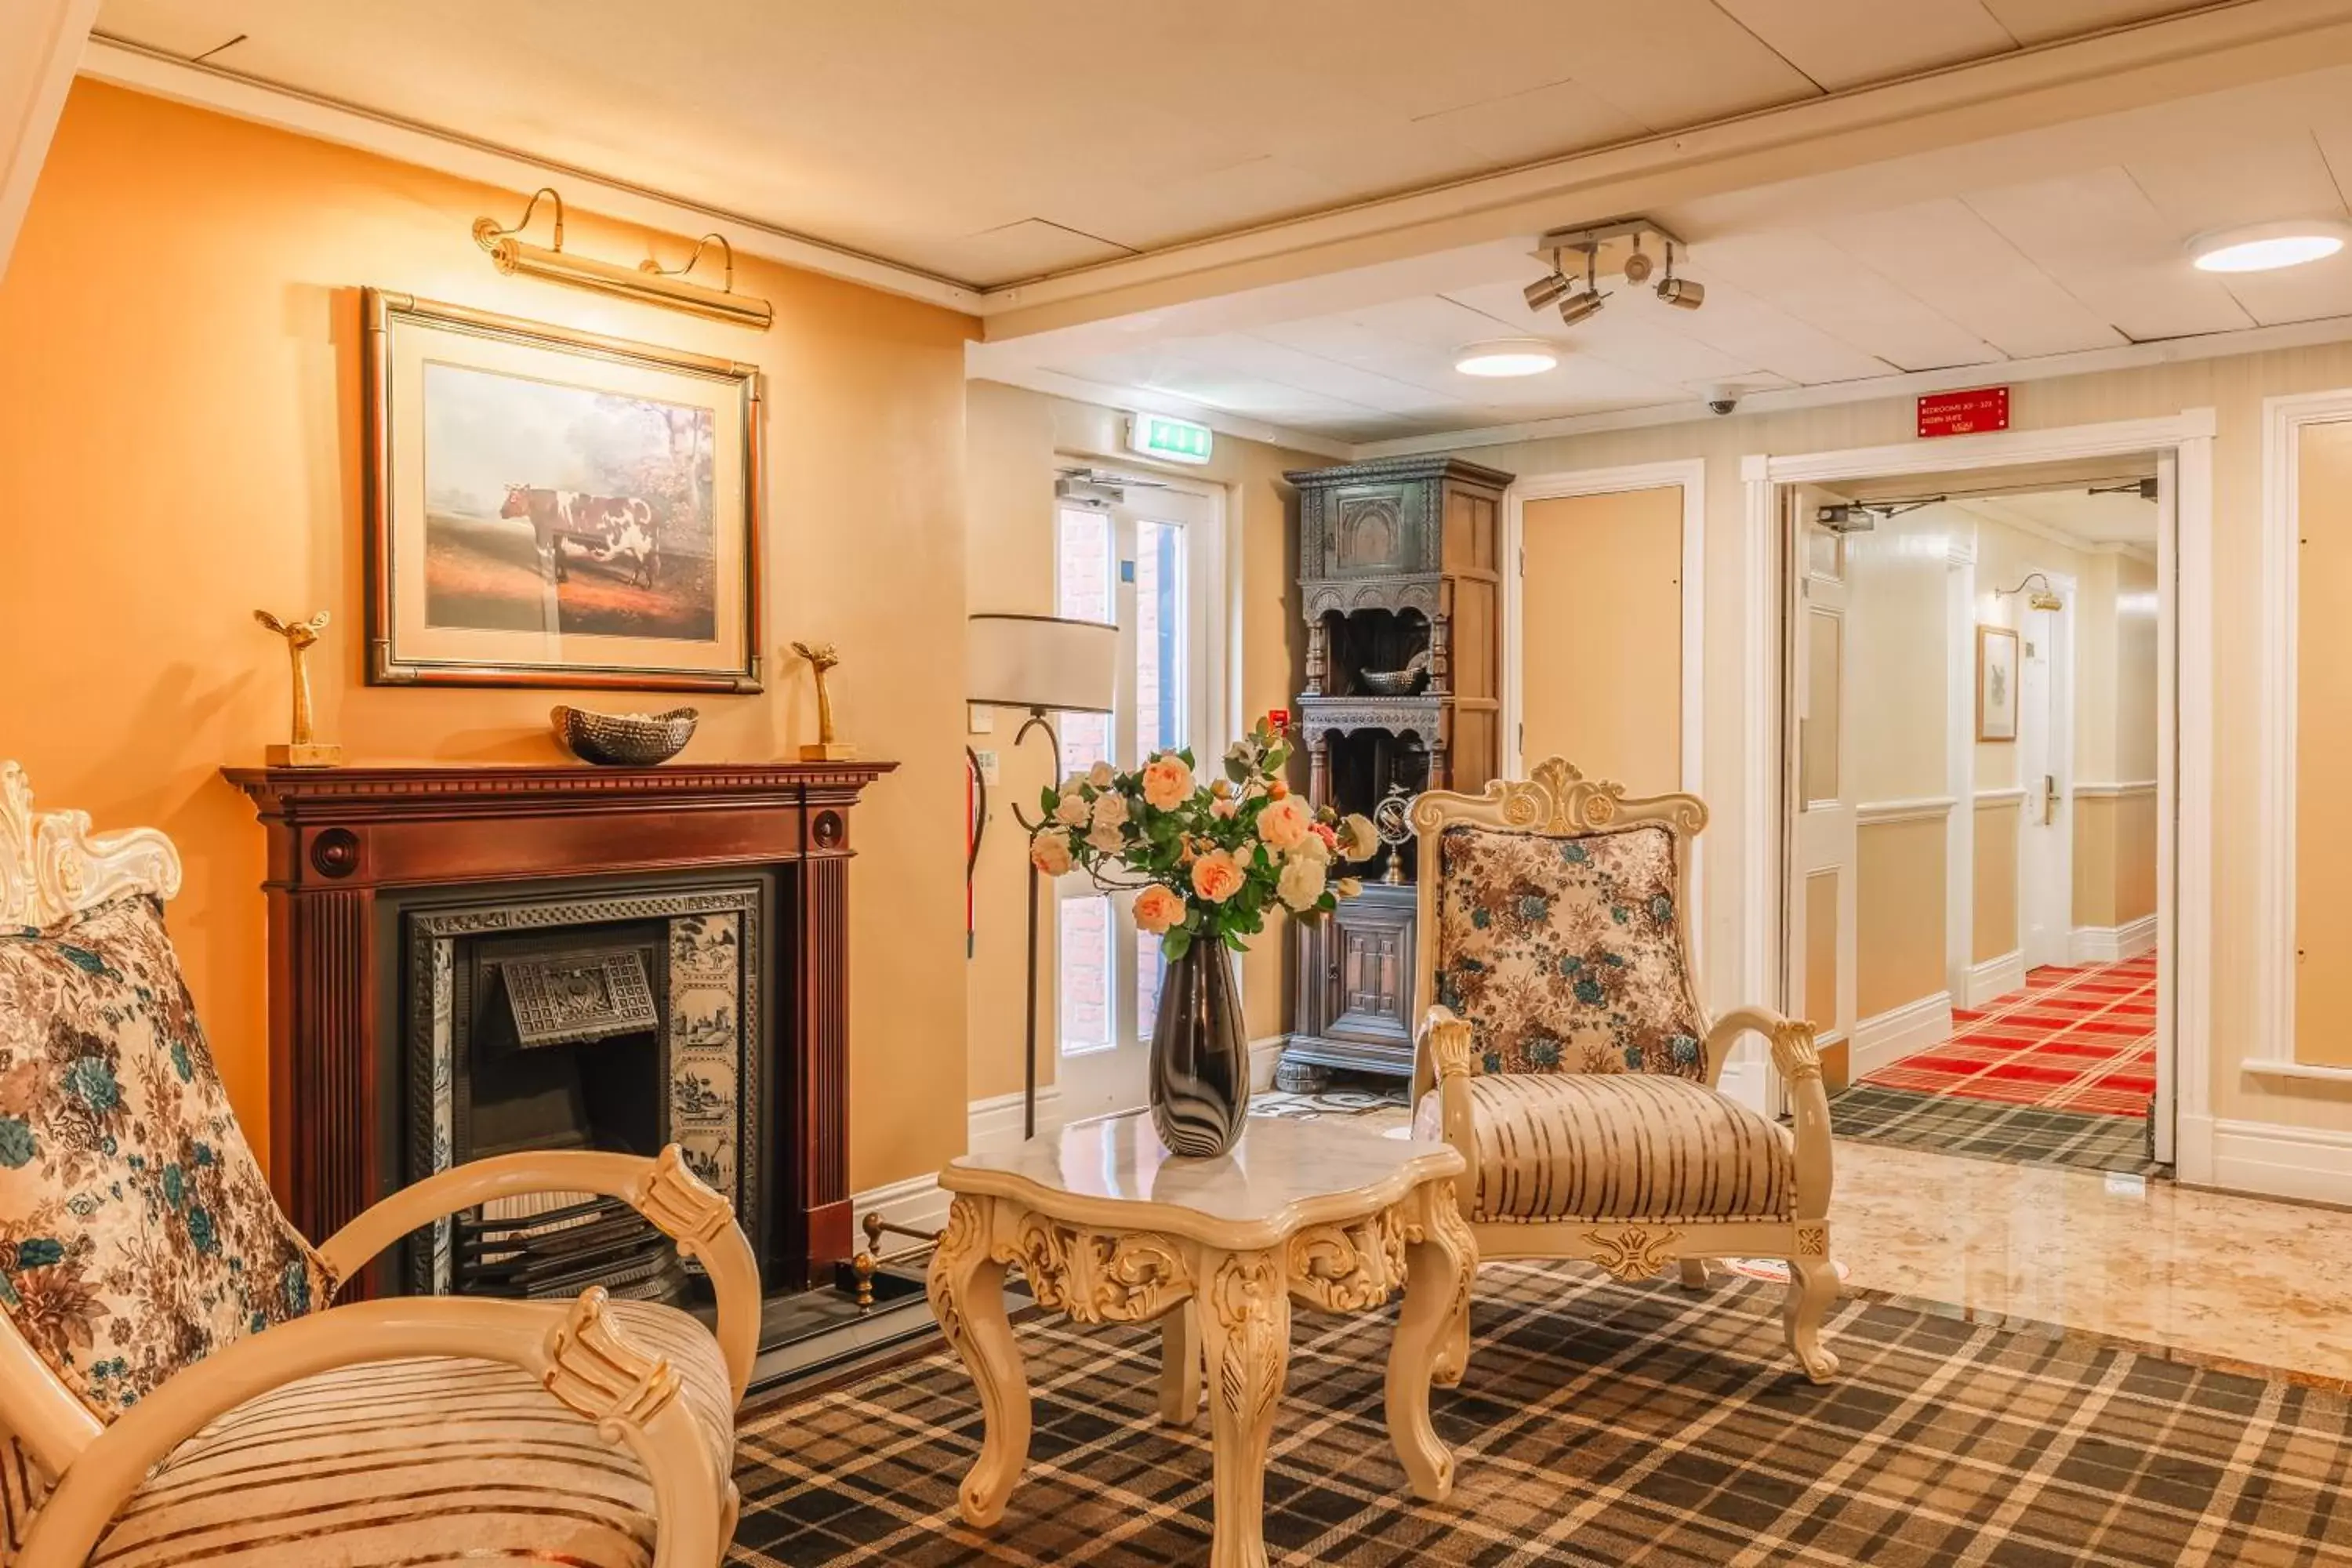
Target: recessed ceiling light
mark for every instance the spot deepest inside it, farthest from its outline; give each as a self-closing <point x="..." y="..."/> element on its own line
<point x="2266" y="246"/>
<point x="1508" y="356"/>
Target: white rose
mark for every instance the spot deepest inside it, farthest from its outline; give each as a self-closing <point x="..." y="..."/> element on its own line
<point x="1302" y="881"/>
<point x="1110" y="811"/>
<point x="1358" y="839"/>
<point x="1071" y="809"/>
<point x="1106" y="838"/>
<point x="1070" y="784"/>
<point x="1100" y="775"/>
<point x="1311" y="848"/>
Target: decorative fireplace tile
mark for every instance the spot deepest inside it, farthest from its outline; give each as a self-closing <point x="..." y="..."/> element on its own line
<point x="442" y="980"/>
<point x="705" y="1045"/>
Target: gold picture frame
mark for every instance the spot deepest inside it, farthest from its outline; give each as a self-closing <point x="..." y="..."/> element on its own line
<point x="553" y="508"/>
<point x="1996" y="683"/>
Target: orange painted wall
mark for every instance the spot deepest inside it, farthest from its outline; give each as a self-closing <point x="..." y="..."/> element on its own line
<point x="179" y="444"/>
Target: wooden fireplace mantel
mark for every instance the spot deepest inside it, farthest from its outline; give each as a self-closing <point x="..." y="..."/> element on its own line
<point x="339" y="838"/>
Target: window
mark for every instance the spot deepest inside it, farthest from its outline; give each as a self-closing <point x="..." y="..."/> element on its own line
<point x="1137" y="564"/>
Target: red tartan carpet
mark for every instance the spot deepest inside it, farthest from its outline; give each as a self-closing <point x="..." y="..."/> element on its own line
<point x="2073" y="1039"/>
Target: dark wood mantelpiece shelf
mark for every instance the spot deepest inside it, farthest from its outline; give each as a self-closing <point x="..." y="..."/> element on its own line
<point x="348" y="845"/>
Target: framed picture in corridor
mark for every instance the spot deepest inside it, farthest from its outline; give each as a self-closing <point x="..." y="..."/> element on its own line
<point x="552" y="508"/>
<point x="1996" y="683"/>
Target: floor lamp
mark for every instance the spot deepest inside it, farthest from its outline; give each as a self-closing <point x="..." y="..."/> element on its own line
<point x="1046" y="665"/>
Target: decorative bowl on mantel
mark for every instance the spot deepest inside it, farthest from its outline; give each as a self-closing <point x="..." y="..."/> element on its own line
<point x="624" y="740"/>
<point x="1397" y="682"/>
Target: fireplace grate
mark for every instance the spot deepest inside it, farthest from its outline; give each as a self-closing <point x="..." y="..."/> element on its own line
<point x="561" y="1251"/>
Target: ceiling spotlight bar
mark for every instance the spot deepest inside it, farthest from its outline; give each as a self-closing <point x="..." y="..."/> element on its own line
<point x="1620" y="245"/>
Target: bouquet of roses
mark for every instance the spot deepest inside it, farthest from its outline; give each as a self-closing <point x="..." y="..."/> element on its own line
<point x="1206" y="860"/>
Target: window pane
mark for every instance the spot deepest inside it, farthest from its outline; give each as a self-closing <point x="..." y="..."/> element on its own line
<point x="1149" y="968"/>
<point x="1159" y="639"/>
<point x="1082" y="584"/>
<point x="1085" y="962"/>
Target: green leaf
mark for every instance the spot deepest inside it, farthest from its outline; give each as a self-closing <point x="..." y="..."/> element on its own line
<point x="1048" y="799"/>
<point x="1176" y="943"/>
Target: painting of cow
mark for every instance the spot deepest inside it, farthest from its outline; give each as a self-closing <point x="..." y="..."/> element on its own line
<point x="558" y="508"/>
<point x="604" y="528"/>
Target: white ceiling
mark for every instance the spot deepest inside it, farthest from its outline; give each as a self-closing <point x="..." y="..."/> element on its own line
<point x="2080" y="260"/>
<point x="2076" y="514"/>
<point x="985" y="143"/>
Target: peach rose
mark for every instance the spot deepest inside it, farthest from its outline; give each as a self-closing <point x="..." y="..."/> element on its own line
<point x="1286" y="822"/>
<point x="1224" y="805"/>
<point x="1049" y="851"/>
<point x="1071" y="809"/>
<point x="1167" y="781"/>
<point x="1217" y="877"/>
<point x="1301" y="883"/>
<point x="1358" y="839"/>
<point x="1157" y="909"/>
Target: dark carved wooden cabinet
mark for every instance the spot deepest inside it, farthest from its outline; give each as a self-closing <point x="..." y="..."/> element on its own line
<point x="1401" y="585"/>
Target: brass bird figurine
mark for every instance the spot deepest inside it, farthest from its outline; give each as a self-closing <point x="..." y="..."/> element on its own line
<point x="822" y="657"/>
<point x="303" y="751"/>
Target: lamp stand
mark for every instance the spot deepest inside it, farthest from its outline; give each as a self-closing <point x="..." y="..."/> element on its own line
<point x="1036" y="720"/>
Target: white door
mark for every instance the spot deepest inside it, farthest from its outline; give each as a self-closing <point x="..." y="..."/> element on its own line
<point x="2045" y="832"/>
<point x="1818" y="922"/>
<point x="1153" y="564"/>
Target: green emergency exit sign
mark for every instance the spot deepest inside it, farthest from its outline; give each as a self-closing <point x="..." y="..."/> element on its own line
<point x="1174" y="440"/>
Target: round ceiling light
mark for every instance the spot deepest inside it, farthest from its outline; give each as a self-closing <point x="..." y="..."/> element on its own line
<point x="1507" y="356"/>
<point x="2267" y="247"/>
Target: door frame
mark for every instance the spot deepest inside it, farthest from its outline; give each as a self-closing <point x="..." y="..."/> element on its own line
<point x="2184" y="446"/>
<point x="2271" y="1053"/>
<point x="1690" y="475"/>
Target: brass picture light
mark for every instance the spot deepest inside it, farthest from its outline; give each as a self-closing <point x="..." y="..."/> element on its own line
<point x="647" y="281"/>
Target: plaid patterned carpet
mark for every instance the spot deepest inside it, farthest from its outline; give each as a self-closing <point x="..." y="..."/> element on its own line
<point x="2081" y="1040"/>
<point x="2019" y="1134"/>
<point x="1600" y="1424"/>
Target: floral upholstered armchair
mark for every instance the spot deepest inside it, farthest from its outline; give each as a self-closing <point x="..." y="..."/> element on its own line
<point x="1568" y="1060"/>
<point x="176" y="1382"/>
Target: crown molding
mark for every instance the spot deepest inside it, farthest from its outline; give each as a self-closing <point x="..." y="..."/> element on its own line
<point x="121" y="63"/>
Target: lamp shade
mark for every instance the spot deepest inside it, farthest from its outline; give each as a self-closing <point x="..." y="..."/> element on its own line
<point x="1040" y="662"/>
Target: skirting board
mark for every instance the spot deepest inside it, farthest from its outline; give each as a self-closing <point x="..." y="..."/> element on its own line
<point x="1891" y="1035"/>
<point x="1995" y="977"/>
<point x="2272" y="1159"/>
<point x="918" y="1201"/>
<point x="1265" y="1055"/>
<point x="2111" y="944"/>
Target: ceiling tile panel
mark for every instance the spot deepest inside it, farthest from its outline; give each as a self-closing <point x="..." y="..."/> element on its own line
<point x="1810" y="278"/>
<point x="1950" y="259"/>
<point x="2098" y="235"/>
<point x="1844" y="43"/>
<point x="1542" y="123"/>
<point x="2039" y="21"/>
<point x="1632" y="332"/>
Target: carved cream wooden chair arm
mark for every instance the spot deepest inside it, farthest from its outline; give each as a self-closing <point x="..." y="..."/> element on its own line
<point x="1800" y="1065"/>
<point x="1441" y="1061"/>
<point x="662" y="1189"/>
<point x="574" y="1349"/>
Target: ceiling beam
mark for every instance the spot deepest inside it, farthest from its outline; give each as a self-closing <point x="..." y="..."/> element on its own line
<point x="40" y="40"/>
<point x="2221" y="47"/>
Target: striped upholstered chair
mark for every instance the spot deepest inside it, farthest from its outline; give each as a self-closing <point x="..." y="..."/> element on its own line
<point x="1570" y="1060"/>
<point x="176" y="1382"/>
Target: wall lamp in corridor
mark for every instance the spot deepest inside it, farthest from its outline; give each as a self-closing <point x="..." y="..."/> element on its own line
<point x="2042" y="598"/>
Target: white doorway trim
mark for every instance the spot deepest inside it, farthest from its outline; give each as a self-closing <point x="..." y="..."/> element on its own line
<point x="2184" y="445"/>
<point x="1690" y="475"/>
<point x="2272" y="1051"/>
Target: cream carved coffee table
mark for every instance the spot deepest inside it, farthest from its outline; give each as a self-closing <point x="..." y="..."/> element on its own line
<point x="1109" y="1228"/>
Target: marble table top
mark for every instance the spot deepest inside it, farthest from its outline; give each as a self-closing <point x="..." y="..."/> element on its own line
<point x="1284" y="1174"/>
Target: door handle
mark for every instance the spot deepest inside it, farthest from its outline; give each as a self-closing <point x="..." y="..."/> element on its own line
<point x="2049" y="798"/>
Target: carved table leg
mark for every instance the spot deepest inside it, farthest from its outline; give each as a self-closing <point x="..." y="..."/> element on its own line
<point x="1439" y="1270"/>
<point x="1244" y="1315"/>
<point x="1180" y="1367"/>
<point x="967" y="1291"/>
<point x="1448" y="1230"/>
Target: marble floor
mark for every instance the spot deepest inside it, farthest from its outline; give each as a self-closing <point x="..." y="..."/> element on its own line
<point x="2233" y="1281"/>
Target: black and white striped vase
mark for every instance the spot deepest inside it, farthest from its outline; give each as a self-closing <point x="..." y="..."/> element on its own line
<point x="1200" y="1055"/>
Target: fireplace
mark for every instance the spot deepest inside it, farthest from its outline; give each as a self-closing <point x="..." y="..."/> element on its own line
<point x="613" y="1020"/>
<point x="467" y="962"/>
